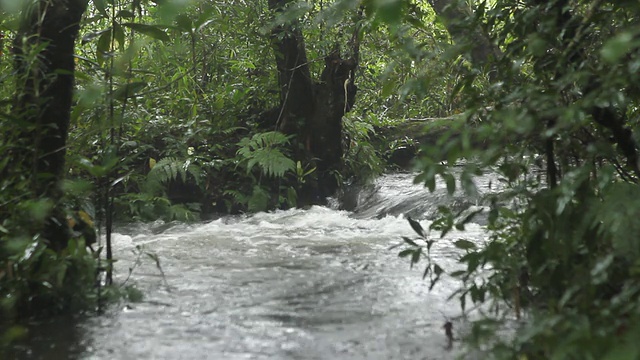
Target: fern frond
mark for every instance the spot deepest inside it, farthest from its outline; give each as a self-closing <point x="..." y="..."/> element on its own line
<point x="271" y="139"/>
<point x="274" y="163"/>
<point x="262" y="150"/>
<point x="238" y="197"/>
<point x="259" y="199"/>
<point x="169" y="169"/>
<point x="233" y="129"/>
<point x="196" y="172"/>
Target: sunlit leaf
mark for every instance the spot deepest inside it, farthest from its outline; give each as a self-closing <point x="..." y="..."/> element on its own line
<point x="104" y="46"/>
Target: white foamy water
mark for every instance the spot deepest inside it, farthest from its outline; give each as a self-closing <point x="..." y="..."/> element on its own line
<point x="318" y="283"/>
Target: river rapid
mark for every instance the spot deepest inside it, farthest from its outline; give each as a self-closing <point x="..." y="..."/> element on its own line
<point x="317" y="283"/>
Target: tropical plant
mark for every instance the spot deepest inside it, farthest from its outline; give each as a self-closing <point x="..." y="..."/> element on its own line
<point x="264" y="150"/>
<point x="171" y="169"/>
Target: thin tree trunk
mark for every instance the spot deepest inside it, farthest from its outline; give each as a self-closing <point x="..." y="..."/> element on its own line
<point x="44" y="58"/>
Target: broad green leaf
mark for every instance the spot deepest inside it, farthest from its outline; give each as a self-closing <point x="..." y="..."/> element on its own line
<point x="450" y="181"/>
<point x="118" y="35"/>
<point x="458" y="273"/>
<point x="437" y="269"/>
<point x="129" y="90"/>
<point x="464" y="244"/>
<point x="617" y="217"/>
<point x="92" y="35"/>
<point x="405" y="253"/>
<point x="415" y="257"/>
<point x="417" y="227"/>
<point x="154" y="31"/>
<point x="389" y="11"/>
<point x="628" y="350"/>
<point x="537" y="45"/>
<point x="101" y="6"/>
<point x="104" y="47"/>
<point x="39" y="209"/>
<point x="409" y="241"/>
<point x="617" y="47"/>
<point x="184" y="23"/>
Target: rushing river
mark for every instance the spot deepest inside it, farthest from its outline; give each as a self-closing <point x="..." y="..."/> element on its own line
<point x="317" y="283"/>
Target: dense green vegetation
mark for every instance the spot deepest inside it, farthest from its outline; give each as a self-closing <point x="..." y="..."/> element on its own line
<point x="558" y="120"/>
<point x="182" y="110"/>
<point x="176" y="114"/>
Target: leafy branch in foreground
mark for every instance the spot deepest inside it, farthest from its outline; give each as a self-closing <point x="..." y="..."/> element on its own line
<point x="416" y="250"/>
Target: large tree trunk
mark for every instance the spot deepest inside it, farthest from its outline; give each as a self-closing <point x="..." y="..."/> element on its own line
<point x="313" y="111"/>
<point x="294" y="77"/>
<point x="335" y="95"/>
<point x="44" y="49"/>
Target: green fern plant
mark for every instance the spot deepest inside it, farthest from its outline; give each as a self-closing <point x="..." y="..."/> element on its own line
<point x="264" y="150"/>
<point x="171" y="169"/>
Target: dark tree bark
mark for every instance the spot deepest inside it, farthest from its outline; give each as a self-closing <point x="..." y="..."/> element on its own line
<point x="335" y="96"/>
<point x="43" y="99"/>
<point x="294" y="77"/>
<point x="313" y="111"/>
